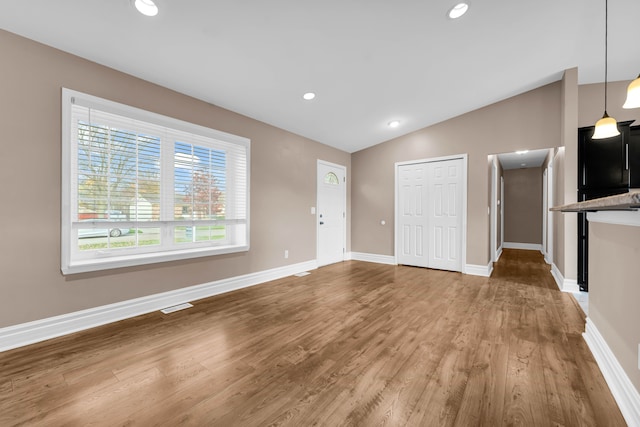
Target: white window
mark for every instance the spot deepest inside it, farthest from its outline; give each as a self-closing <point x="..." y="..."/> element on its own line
<point x="331" y="178"/>
<point x="139" y="188"/>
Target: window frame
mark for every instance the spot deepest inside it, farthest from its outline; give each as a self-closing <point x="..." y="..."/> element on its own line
<point x="71" y="263"/>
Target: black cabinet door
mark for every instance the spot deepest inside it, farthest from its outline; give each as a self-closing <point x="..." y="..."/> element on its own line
<point x="603" y="163"/>
<point x="634" y="157"/>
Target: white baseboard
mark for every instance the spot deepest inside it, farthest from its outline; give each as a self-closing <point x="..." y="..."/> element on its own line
<point x="498" y="254"/>
<point x="52" y="327"/>
<point x="479" y="270"/>
<point x="565" y="285"/>
<point x="557" y="276"/>
<point x="378" y="259"/>
<point x="526" y="246"/>
<point x="475" y="270"/>
<point x="625" y="394"/>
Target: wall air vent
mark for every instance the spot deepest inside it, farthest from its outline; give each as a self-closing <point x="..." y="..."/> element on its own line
<point x="304" y="273"/>
<point x="176" y="308"/>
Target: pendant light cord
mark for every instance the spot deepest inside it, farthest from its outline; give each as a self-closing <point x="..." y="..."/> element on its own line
<point x="606" y="53"/>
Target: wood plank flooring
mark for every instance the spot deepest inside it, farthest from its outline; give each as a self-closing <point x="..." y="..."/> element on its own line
<point x="352" y="344"/>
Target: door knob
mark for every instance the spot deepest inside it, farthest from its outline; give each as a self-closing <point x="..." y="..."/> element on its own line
<point x="321" y="222"/>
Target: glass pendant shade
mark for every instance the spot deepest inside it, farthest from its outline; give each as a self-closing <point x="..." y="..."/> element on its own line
<point x="146" y="7"/>
<point x="633" y="94"/>
<point x="606" y="127"/>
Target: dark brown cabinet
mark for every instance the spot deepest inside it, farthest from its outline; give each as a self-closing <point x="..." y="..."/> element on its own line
<point x="605" y="167"/>
<point x="603" y="163"/>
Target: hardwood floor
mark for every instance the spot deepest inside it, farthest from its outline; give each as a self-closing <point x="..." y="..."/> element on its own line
<point x="525" y="267"/>
<point x="354" y="343"/>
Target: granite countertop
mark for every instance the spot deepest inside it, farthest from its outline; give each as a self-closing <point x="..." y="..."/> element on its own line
<point x="621" y="202"/>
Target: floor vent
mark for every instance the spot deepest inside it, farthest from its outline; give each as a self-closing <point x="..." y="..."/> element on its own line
<point x="176" y="308"/>
<point x="304" y="273"/>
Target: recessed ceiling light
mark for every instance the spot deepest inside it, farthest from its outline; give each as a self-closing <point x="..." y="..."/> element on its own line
<point x="309" y="96"/>
<point x="458" y="10"/>
<point x="522" y="152"/>
<point x="394" y="123"/>
<point x="146" y="7"/>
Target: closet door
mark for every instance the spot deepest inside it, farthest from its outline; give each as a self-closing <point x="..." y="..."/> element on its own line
<point x="412" y="215"/>
<point x="445" y="214"/>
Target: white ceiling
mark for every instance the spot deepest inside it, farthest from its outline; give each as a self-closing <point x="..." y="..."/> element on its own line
<point x="530" y="159"/>
<point x="369" y="61"/>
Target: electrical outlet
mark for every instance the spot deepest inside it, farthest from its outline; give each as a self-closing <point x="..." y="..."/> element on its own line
<point x="286" y="253"/>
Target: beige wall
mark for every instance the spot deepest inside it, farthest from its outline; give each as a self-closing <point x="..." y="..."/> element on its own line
<point x="559" y="218"/>
<point x="591" y="103"/>
<point x="569" y="185"/>
<point x="530" y="120"/>
<point x="283" y="187"/>
<point x="523" y="205"/>
<point x="614" y="291"/>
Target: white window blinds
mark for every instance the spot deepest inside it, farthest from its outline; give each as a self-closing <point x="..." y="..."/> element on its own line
<point x="139" y="187"/>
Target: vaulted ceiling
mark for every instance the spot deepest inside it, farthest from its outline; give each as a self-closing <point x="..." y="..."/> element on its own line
<point x="368" y="61"/>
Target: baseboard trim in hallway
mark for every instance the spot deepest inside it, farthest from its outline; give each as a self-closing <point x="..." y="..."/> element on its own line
<point x="565" y="285"/>
<point x="523" y="246"/>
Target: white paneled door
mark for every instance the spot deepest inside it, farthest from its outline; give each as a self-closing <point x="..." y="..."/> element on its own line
<point x="445" y="214"/>
<point x="412" y="212"/>
<point x="331" y="213"/>
<point x="430" y="214"/>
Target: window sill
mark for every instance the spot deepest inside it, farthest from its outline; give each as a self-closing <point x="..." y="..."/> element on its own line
<point x="85" y="266"/>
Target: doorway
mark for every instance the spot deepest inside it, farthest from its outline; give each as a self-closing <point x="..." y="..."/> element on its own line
<point x="331" y="212"/>
<point x="496" y="216"/>
<point x="547" y="216"/>
<point x="520" y="217"/>
<point x="430" y="213"/>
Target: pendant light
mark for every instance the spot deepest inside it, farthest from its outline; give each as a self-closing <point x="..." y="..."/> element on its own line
<point x="146" y="7"/>
<point x="633" y="94"/>
<point x="607" y="126"/>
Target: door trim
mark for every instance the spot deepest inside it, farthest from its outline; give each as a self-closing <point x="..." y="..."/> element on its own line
<point x="494" y="209"/>
<point x="344" y="201"/>
<point x="545" y="200"/>
<point x="396" y="226"/>
<point x="501" y="215"/>
<point x="550" y="196"/>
